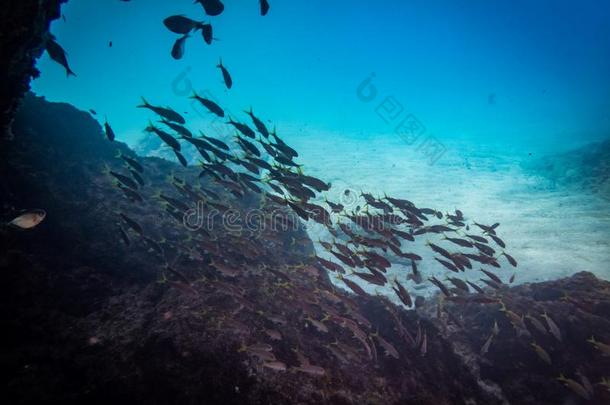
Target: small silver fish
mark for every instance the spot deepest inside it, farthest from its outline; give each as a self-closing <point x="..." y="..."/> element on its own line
<point x="29" y="219"/>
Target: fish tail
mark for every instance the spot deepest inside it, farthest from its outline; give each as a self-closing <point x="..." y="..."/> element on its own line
<point x="219" y="63"/>
<point x="144" y="103"/>
<point x="69" y="72"/>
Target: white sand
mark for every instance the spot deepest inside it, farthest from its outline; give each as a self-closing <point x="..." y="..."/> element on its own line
<point x="551" y="233"/>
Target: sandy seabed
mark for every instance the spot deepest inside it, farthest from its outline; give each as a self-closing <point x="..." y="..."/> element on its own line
<point x="551" y="231"/>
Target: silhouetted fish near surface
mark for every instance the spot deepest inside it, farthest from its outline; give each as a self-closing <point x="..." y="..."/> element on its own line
<point x="264" y="7"/>
<point x="57" y="53"/>
<point x="166" y="113"/>
<point x="28" y="220"/>
<point x="178" y="48"/>
<point x="210" y="105"/>
<point x="225" y="75"/>
<point x="207" y="33"/>
<point x="211" y="7"/>
<point x="180" y="24"/>
<point x="109" y="132"/>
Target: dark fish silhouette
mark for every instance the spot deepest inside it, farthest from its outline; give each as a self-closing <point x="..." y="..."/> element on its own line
<point x="243" y="128"/>
<point x="260" y="126"/>
<point x="215" y="142"/>
<point x="57" y="53"/>
<point x="207" y="33"/>
<point x="132" y="224"/>
<point x="178" y="128"/>
<point x="225" y="75"/>
<point x="131" y="162"/>
<point x="212" y="7"/>
<point x="166" y="113"/>
<point x="178" y="48"/>
<point x="264" y="7"/>
<point x="109" y="132"/>
<point x="181" y="158"/>
<point x="210" y="105"/>
<point x="180" y="24"/>
<point x="165" y="137"/>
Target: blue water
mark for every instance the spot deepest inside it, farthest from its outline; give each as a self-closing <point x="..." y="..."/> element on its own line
<point x="530" y="75"/>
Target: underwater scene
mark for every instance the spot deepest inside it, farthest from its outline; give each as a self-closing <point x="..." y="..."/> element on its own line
<point x="305" y="202"/>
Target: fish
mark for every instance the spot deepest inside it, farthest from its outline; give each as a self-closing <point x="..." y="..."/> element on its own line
<point x="330" y="265"/>
<point x="109" y="132"/>
<point x="180" y="158"/>
<point x="124" y="236"/>
<point x="264" y="7"/>
<point x="57" y="53"/>
<point x="479" y="239"/>
<point x="440" y="285"/>
<point x="165" y="137"/>
<point x="132" y="224"/>
<point x="486" y="345"/>
<point x="553" y="328"/>
<point x="389" y="349"/>
<point x="243" y="128"/>
<point x="476" y="287"/>
<point x="178" y="128"/>
<point x="498" y="241"/>
<point x="575" y="387"/>
<point x="460" y="242"/>
<point x="541" y="353"/>
<point x="211" y="7"/>
<point x="260" y="125"/>
<point x="311" y="369"/>
<point x="226" y="76"/>
<point x="207" y="33"/>
<point x="275" y="365"/>
<point x="403" y="294"/>
<point x="29" y="219"/>
<point x="218" y="143"/>
<point x="137" y="177"/>
<point x="178" y="48"/>
<point x="166" y="113"/>
<point x="537" y="324"/>
<point x="460" y="284"/>
<point x="126" y="181"/>
<point x="602" y="347"/>
<point x="492" y="276"/>
<point x="247" y="146"/>
<point x="510" y="259"/>
<point x="134" y="164"/>
<point x="209" y="104"/>
<point x="353" y="286"/>
<point x="179" y="24"/>
<point x="447" y="265"/>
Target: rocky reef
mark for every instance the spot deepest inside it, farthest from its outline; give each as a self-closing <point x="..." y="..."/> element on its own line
<point x="89" y="319"/>
<point x="584" y="169"/>
<point x="25" y="26"/>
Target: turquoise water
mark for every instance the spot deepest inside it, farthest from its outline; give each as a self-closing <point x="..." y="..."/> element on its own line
<point x="518" y="74"/>
<point x="441" y="102"/>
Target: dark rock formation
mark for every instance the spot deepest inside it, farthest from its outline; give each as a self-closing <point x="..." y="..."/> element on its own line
<point x="25" y="25"/>
<point x="585" y="169"/>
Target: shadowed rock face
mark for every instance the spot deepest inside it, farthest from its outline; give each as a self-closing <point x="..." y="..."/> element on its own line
<point x="88" y="319"/>
<point x="25" y="24"/>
